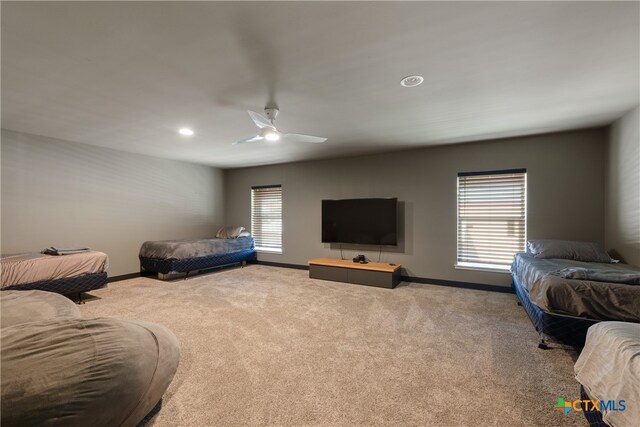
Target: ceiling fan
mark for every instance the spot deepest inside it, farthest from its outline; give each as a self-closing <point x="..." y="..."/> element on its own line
<point x="269" y="132"/>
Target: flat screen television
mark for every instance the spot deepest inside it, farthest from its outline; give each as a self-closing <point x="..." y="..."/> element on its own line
<point x="360" y="221"/>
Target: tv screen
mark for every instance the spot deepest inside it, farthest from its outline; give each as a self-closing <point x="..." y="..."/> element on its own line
<point x="360" y="221"/>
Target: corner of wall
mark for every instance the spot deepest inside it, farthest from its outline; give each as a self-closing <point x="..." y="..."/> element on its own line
<point x="622" y="187"/>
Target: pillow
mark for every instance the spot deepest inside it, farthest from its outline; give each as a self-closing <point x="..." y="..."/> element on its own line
<point x="229" y="232"/>
<point x="566" y="249"/>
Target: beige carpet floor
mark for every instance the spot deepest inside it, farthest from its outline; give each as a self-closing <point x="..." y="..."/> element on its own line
<point x="269" y="346"/>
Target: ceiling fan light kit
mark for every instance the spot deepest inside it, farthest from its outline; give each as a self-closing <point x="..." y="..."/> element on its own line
<point x="269" y="132"/>
<point x="270" y="135"/>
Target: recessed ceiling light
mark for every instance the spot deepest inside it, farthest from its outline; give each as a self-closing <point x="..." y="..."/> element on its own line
<point x="411" y="81"/>
<point x="185" y="132"/>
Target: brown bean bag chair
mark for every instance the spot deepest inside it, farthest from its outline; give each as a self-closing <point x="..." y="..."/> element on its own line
<point x="69" y="371"/>
<point x="18" y="307"/>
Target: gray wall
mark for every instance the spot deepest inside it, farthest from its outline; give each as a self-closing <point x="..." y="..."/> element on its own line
<point x="62" y="193"/>
<point x="622" y="191"/>
<point x="565" y="197"/>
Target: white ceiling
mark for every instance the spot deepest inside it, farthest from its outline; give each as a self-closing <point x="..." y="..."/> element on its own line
<point x="128" y="75"/>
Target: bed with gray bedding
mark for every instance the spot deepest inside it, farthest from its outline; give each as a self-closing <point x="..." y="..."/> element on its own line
<point x="590" y="290"/>
<point x="184" y="256"/>
<point x="566" y="287"/>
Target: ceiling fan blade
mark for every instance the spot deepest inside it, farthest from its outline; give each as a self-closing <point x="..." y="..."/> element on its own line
<point x="304" y="138"/>
<point x="251" y="139"/>
<point x="260" y="120"/>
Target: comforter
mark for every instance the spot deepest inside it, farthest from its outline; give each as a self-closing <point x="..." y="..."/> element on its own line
<point x="578" y="297"/>
<point x="187" y="249"/>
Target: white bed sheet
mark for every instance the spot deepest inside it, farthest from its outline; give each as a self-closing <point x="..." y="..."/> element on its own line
<point x="609" y="369"/>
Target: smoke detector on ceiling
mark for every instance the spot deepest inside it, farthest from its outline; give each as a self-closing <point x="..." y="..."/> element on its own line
<point x="411" y="81"/>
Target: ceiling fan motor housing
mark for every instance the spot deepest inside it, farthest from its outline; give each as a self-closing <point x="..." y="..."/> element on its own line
<point x="271" y="113"/>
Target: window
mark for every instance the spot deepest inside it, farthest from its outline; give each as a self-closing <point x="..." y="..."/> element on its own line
<point x="266" y="217"/>
<point x="491" y="218"/>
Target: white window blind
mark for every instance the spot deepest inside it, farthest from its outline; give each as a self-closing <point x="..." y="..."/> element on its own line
<point x="266" y="217"/>
<point x="491" y="218"/>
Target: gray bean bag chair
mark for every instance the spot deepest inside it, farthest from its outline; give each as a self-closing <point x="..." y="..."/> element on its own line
<point x="59" y="369"/>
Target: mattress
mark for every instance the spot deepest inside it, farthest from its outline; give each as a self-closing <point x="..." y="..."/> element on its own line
<point x="189" y="249"/>
<point x="572" y="297"/>
<point x="557" y="328"/>
<point x="609" y="369"/>
<point x="32" y="268"/>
